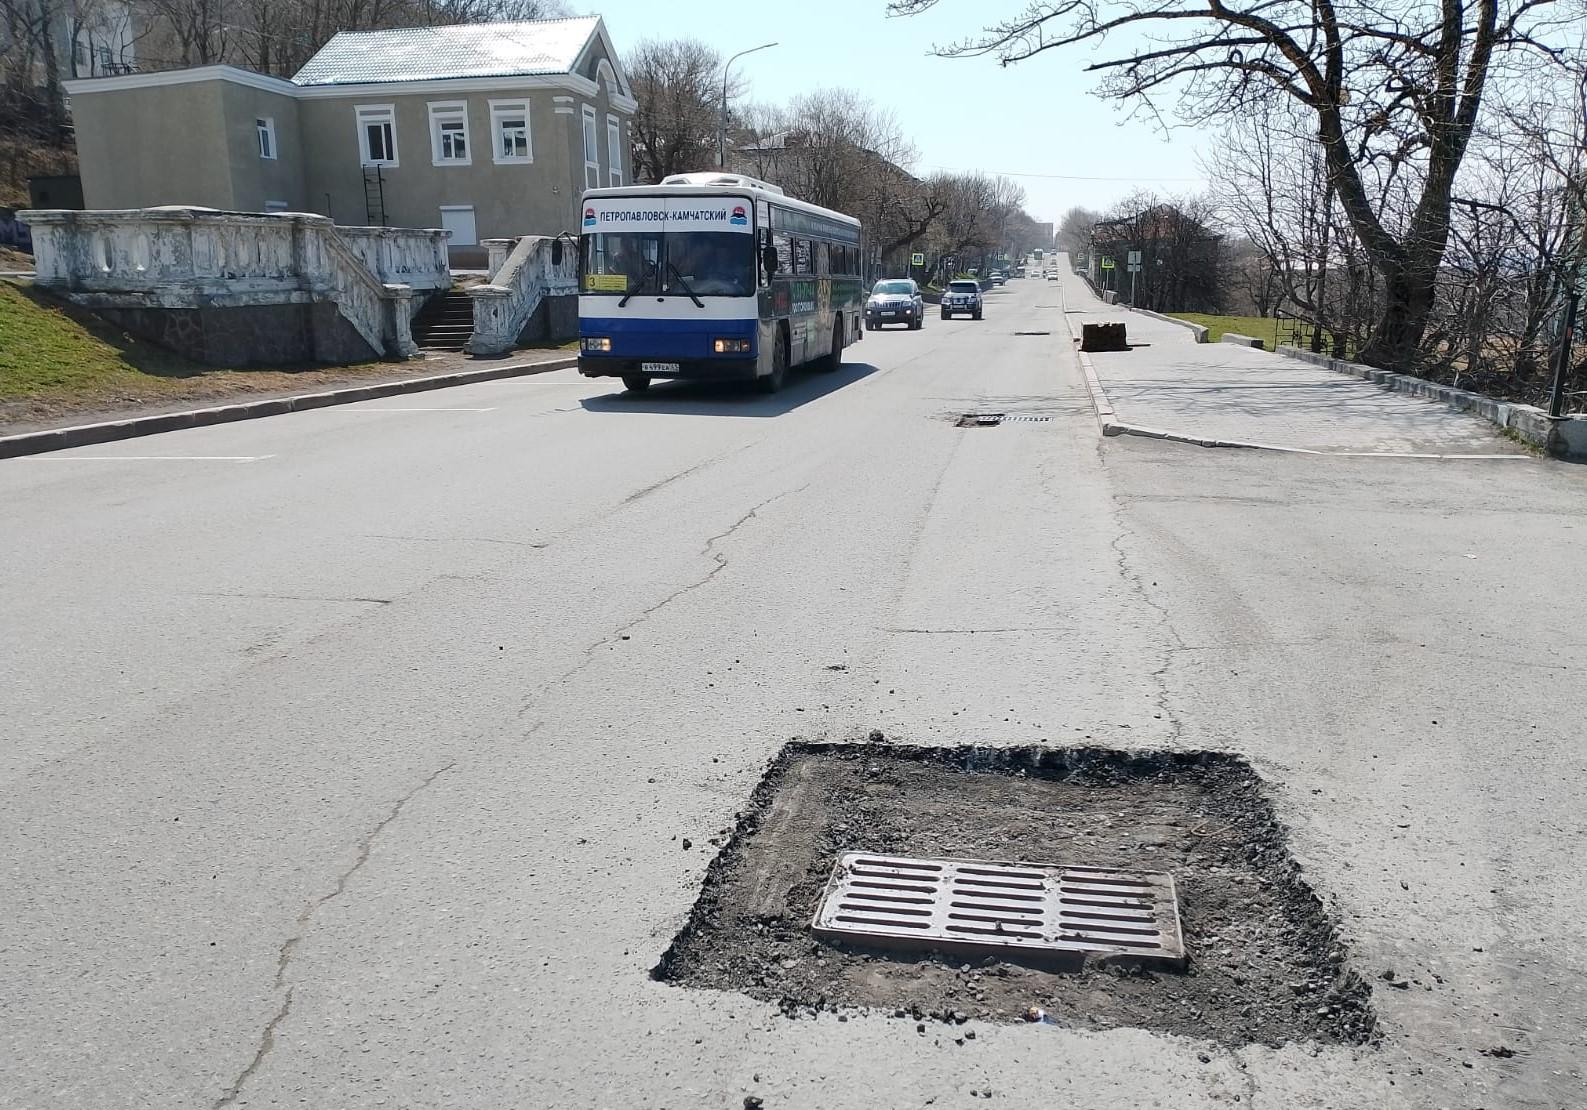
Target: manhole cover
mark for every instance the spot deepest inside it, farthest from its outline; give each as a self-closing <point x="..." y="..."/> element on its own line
<point x="984" y="907"/>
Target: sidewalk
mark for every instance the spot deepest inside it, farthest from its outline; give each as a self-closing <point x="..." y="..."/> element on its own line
<point x="1219" y="391"/>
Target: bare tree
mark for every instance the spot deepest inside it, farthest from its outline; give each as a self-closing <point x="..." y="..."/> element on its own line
<point x="1393" y="92"/>
<point x="677" y="83"/>
<point x="1074" y="230"/>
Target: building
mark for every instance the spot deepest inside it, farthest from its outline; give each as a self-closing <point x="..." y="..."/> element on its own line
<point x="488" y="130"/>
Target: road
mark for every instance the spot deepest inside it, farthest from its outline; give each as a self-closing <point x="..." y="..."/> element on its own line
<point x="348" y="754"/>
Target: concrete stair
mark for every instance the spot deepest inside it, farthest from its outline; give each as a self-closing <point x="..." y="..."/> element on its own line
<point x="445" y="323"/>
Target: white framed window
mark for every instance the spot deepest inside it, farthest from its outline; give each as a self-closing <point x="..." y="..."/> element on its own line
<point x="592" y="151"/>
<point x="266" y="129"/>
<point x="614" y="150"/>
<point x="449" y="145"/>
<point x="509" y="129"/>
<point x="377" y="134"/>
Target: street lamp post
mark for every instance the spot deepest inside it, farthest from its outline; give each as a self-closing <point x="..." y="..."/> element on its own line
<point x="721" y="130"/>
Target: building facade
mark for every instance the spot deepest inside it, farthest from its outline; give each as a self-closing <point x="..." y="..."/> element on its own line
<point x="487" y="130"/>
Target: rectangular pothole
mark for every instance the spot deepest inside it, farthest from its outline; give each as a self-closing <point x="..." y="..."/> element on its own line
<point x="1263" y="963"/>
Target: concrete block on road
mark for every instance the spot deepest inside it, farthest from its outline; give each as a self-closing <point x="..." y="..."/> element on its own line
<point x="1103" y="337"/>
<point x="1242" y="340"/>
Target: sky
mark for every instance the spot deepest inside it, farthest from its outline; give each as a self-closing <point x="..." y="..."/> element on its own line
<point x="1037" y="121"/>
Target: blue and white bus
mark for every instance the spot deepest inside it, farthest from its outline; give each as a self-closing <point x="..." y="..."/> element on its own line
<point x="714" y="276"/>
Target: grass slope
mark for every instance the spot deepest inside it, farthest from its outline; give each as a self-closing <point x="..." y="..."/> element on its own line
<point x="1257" y="327"/>
<point x="60" y="364"/>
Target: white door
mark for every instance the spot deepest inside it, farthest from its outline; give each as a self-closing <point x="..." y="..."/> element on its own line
<point x="459" y="220"/>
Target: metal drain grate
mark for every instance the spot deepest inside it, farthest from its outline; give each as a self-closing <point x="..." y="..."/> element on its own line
<point x="1033" y="333"/>
<point x="987" y="908"/>
<point x="993" y="419"/>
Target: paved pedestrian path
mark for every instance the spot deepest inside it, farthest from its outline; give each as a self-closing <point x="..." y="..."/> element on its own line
<point x="1168" y="382"/>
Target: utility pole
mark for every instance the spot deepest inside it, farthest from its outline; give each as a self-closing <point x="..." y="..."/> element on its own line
<point x="721" y="130"/>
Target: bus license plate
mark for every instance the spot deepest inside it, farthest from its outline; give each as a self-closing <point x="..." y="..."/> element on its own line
<point x="660" y="367"/>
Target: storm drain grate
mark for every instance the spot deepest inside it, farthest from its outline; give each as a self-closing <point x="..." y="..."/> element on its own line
<point x="1033" y="333"/>
<point x="986" y="908"/>
<point x="993" y="419"/>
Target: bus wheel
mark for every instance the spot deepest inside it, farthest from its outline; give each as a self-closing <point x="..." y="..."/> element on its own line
<point x="636" y="383"/>
<point x="772" y="382"/>
<point x="833" y="361"/>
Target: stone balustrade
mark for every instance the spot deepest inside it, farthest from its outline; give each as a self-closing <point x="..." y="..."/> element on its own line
<point x="201" y="261"/>
<point x="530" y="274"/>
<point x="415" y="257"/>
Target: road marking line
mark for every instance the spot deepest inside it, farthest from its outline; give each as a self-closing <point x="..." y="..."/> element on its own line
<point x="144" y="458"/>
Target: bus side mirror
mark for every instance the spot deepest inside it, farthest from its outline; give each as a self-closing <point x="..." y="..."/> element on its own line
<point x="768" y="259"/>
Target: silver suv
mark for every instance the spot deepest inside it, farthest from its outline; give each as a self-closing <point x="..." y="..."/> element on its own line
<point x="895" y="301"/>
<point x="962" y="298"/>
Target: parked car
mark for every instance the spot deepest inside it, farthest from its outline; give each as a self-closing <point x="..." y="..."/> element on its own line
<point x="895" y="301"/>
<point x="962" y="298"/>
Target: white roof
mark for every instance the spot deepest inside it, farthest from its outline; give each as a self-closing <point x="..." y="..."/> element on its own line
<point x="543" y="46"/>
<point x="744" y="186"/>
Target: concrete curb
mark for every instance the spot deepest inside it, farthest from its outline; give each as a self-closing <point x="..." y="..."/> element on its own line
<point x="81" y="435"/>
<point x="1198" y="330"/>
<point x="1565" y="438"/>
<point x="1242" y="340"/>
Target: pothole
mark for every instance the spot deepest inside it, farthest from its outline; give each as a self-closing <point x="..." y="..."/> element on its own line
<point x="1263" y="964"/>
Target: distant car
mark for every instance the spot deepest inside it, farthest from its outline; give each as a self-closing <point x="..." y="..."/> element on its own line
<point x="895" y="301"/>
<point x="1052" y="275"/>
<point x="997" y="277"/>
<point x="962" y="298"/>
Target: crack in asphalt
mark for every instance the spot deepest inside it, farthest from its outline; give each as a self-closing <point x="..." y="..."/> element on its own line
<point x="305" y="918"/>
<point x="299" y="597"/>
<point x="696" y="468"/>
<point x="1159" y="674"/>
<point x="720" y="563"/>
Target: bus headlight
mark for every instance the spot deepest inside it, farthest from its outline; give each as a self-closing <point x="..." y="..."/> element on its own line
<point x="597" y="343"/>
<point x="732" y="346"/>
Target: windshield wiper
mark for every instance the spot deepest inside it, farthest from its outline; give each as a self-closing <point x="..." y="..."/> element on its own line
<point x="673" y="270"/>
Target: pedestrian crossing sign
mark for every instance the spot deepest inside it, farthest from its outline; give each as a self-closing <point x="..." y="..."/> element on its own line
<point x="1107" y="263"/>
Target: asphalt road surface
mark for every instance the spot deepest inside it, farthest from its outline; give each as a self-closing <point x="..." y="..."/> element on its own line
<point x="347" y="755"/>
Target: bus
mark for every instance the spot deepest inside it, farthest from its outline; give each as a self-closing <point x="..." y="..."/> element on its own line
<point x="714" y="277"/>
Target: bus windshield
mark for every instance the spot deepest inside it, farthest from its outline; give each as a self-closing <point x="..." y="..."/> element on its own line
<point x="679" y="263"/>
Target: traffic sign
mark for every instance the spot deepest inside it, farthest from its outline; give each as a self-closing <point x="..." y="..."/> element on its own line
<point x="1107" y="263"/>
<point x="1135" y="258"/>
<point x="917" y="259"/>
